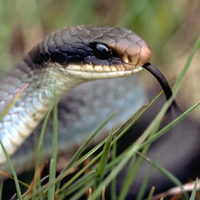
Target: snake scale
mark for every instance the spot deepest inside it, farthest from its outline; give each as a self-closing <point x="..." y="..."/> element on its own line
<point x="65" y="59"/>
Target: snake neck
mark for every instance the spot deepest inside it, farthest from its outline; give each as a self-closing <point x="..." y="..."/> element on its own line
<point x="33" y="103"/>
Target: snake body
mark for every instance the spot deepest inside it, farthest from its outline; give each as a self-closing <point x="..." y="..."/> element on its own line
<point x="65" y="59"/>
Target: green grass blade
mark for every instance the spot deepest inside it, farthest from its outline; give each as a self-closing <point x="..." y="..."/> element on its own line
<point x="82" y="191"/>
<point x="134" y="118"/>
<point x="103" y="161"/>
<point x="169" y="126"/>
<point x="151" y="193"/>
<point x="13" y="171"/>
<point x="133" y="171"/>
<point x="166" y="173"/>
<point x="83" y="158"/>
<point x="12" y="102"/>
<point x="61" y="176"/>
<point x="40" y="145"/>
<point x="79" y="173"/>
<point x="13" y="197"/>
<point x="80" y="183"/>
<point x="85" y="144"/>
<point x="1" y="190"/>
<point x="131" y="175"/>
<point x="117" y="169"/>
<point x="123" y="129"/>
<point x="134" y="149"/>
<point x="128" y="124"/>
<point x="112" y="175"/>
<point x="89" y="153"/>
<point x="155" y="123"/>
<point x="187" y="64"/>
<point x="44" y="125"/>
<point x="82" y="148"/>
<point x="145" y="136"/>
<point x="55" y="130"/>
<point x="51" y="189"/>
<point x="113" y="183"/>
<point x="144" y="184"/>
<point x="124" y="159"/>
<point x="52" y="176"/>
<point x="194" y="190"/>
<point x="96" y="158"/>
<point x="128" y="179"/>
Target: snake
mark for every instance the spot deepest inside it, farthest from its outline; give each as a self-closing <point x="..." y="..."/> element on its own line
<point x="65" y="59"/>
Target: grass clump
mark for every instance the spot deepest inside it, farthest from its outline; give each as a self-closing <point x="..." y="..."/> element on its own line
<point x="100" y="163"/>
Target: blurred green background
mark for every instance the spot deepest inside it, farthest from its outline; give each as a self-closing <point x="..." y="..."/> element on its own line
<point x="169" y="27"/>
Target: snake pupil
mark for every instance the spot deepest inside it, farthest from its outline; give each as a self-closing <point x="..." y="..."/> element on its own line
<point x="101" y="51"/>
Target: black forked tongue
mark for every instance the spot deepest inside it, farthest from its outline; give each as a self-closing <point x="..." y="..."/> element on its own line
<point x="161" y="79"/>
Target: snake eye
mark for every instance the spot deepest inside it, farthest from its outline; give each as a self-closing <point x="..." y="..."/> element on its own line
<point x="101" y="51"/>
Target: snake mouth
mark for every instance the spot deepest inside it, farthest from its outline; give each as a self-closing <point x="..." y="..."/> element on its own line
<point x="99" y="72"/>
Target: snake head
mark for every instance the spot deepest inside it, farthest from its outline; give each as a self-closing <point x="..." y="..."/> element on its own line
<point x="90" y="52"/>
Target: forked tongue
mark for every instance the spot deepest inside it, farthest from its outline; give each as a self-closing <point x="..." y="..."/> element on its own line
<point x="161" y="79"/>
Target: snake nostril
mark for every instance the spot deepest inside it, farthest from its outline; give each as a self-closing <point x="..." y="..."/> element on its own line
<point x="132" y="60"/>
<point x="125" y="58"/>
